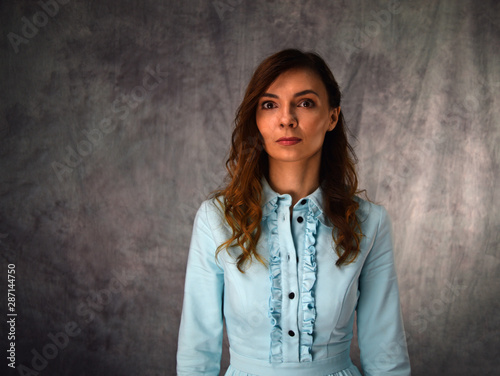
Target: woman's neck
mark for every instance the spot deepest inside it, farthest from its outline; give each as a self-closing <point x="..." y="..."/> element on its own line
<point x="296" y="179"/>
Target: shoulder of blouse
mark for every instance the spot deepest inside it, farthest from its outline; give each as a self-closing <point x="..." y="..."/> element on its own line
<point x="368" y="210"/>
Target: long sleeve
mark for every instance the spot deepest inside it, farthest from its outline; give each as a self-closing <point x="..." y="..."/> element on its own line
<point x="381" y="334"/>
<point x="200" y="334"/>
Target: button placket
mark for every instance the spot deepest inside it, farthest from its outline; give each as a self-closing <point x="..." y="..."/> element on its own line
<point x="308" y="314"/>
<point x="289" y="319"/>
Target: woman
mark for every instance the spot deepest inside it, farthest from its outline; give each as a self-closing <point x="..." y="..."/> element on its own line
<point x="286" y="253"/>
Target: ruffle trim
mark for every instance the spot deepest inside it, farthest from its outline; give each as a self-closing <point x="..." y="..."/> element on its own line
<point x="275" y="300"/>
<point x="308" y="281"/>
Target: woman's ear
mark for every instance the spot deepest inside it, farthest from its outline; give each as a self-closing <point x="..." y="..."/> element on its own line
<point x="334" y="118"/>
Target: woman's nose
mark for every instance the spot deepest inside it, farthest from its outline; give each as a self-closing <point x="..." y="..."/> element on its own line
<point x="288" y="118"/>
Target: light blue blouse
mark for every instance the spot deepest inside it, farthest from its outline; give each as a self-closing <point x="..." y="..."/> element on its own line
<point x="294" y="317"/>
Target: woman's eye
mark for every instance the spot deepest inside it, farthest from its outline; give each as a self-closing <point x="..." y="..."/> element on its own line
<point x="267" y="105"/>
<point x="306" y="103"/>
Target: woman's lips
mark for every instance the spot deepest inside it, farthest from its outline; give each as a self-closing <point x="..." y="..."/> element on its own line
<point x="287" y="141"/>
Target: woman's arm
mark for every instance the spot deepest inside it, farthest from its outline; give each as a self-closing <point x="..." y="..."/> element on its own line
<point x="381" y="333"/>
<point x="200" y="335"/>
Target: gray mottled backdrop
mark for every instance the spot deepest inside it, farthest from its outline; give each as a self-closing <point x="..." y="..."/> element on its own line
<point x="115" y="121"/>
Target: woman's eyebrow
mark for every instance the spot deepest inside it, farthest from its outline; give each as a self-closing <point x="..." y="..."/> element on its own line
<point x="300" y="93"/>
<point x="306" y="92"/>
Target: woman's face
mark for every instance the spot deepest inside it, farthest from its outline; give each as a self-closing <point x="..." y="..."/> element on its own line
<point x="293" y="116"/>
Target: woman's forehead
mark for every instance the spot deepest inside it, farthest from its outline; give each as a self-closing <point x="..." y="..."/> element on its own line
<point x="298" y="79"/>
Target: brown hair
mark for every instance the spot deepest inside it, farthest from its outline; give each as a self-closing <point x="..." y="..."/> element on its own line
<point x="248" y="163"/>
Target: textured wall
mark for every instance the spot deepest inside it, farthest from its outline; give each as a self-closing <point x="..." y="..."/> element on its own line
<point x="115" y="120"/>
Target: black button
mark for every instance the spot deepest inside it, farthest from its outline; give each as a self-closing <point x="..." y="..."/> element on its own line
<point x="291" y="333"/>
<point x="300" y="219"/>
<point x="303" y="202"/>
<point x="288" y="257"/>
<point x="291" y="295"/>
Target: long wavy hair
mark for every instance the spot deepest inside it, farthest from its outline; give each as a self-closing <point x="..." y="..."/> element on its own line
<point x="247" y="163"/>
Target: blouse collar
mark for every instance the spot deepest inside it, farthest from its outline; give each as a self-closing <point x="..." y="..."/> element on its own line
<point x="271" y="200"/>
